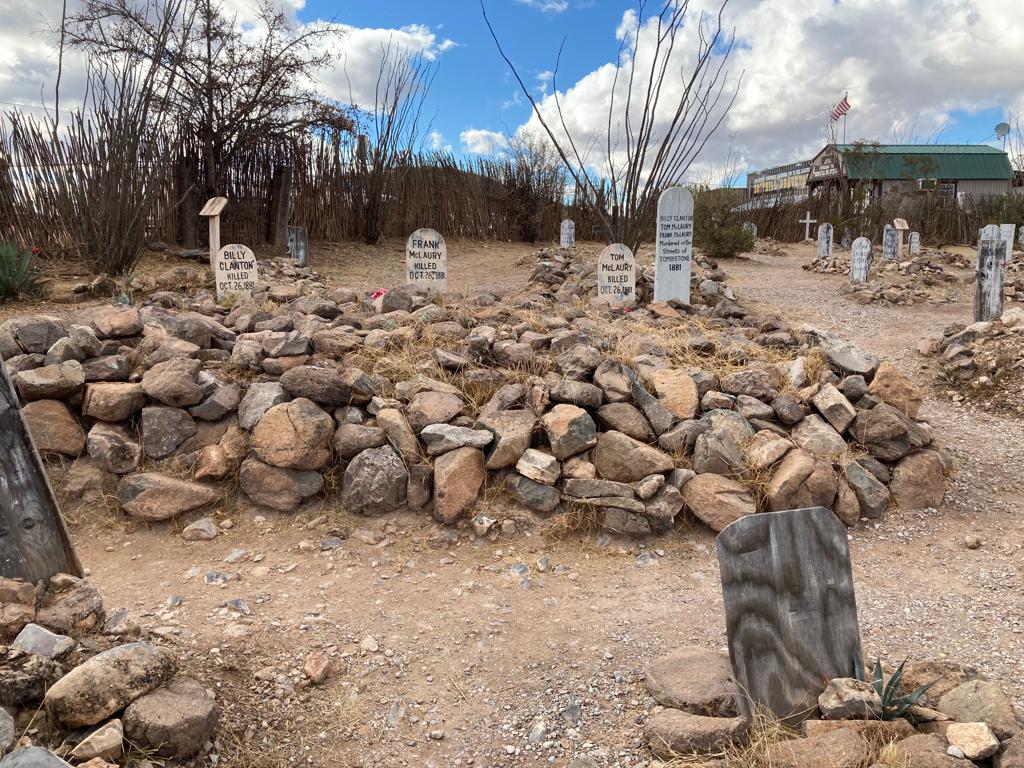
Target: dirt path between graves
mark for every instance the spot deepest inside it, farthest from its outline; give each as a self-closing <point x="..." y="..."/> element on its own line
<point x="447" y="656"/>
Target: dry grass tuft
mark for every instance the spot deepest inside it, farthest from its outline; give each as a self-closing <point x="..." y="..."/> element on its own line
<point x="578" y="519"/>
<point x="765" y="732"/>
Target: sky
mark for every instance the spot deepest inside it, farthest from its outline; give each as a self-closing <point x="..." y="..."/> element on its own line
<point x="915" y="70"/>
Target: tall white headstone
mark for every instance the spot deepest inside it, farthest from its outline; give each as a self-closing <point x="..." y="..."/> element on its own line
<point x="426" y="261"/>
<point x="567" y="234"/>
<point x="989" y="232"/>
<point x="889" y="243"/>
<point x="860" y="261"/>
<point x="915" y="243"/>
<point x="235" y="270"/>
<point x="988" y="285"/>
<point x="825" y="241"/>
<point x="674" y="252"/>
<point x="1007" y="231"/>
<point x="616" y="275"/>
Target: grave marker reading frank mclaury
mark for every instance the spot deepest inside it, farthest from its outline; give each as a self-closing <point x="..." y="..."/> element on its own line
<point x="234" y="270"/>
<point x="426" y="261"/>
<point x="860" y="261"/>
<point x="567" y="234"/>
<point x="616" y="275"/>
<point x="675" y="245"/>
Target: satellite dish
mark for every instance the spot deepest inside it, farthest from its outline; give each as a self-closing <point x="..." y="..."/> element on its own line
<point x="1002" y="130"/>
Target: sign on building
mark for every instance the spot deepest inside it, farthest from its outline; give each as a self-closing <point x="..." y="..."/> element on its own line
<point x="616" y="275"/>
<point x="674" y="251"/>
<point x="426" y="261"/>
<point x="235" y="270"/>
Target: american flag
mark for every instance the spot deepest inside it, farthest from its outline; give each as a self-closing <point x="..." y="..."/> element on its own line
<point x="840" y="109"/>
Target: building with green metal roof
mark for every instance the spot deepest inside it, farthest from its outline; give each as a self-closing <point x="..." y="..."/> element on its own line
<point x="947" y="170"/>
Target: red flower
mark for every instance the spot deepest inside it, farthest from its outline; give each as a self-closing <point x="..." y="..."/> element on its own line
<point x="378" y="293"/>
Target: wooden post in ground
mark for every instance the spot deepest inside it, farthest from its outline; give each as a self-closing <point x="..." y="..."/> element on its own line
<point x="280" y="202"/>
<point x="34" y="543"/>
<point x="187" y="203"/>
<point x="211" y="211"/>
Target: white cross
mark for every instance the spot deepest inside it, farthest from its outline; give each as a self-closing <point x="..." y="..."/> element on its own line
<point x="807" y="221"/>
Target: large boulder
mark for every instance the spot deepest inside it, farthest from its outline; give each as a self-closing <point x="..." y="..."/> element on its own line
<point x="174" y="382"/>
<point x="512" y="431"/>
<point x="174" y="721"/>
<point x="321" y="385"/>
<point x="892" y="387"/>
<point x="694" y="680"/>
<point x="887" y="433"/>
<point x="671" y="733"/>
<point x="620" y="458"/>
<point x="758" y="380"/>
<point x="981" y="701"/>
<point x="53" y="428"/>
<point x="50" y="382"/>
<point x="677" y="391"/>
<point x="294" y="435"/>
<point x="375" y="482"/>
<point x="919" y="480"/>
<point x="802" y="480"/>
<point x="717" y="500"/>
<point x="458" y="477"/>
<point x="153" y="496"/>
<point x="834" y="407"/>
<point x="113" y="400"/>
<point x="628" y="419"/>
<point x="433" y="408"/>
<point x="108" y="682"/>
<point x="112" y="448"/>
<point x="817" y="436"/>
<point x="570" y="430"/>
<point x="164" y="429"/>
<point x="279" y="489"/>
<point x="843" y="748"/>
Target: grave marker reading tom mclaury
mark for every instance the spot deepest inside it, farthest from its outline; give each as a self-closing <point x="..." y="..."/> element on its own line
<point x="616" y="275"/>
<point x="672" y="260"/>
<point x="234" y="270"/>
<point x="825" y="241"/>
<point x="567" y="234"/>
<point x="426" y="261"/>
<point x="860" y="261"/>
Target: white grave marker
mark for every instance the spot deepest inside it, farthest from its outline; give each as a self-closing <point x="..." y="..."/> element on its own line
<point x="234" y="270"/>
<point x="989" y="232"/>
<point x="889" y="243"/>
<point x="915" y="243"/>
<point x="825" y="241"/>
<point x="426" y="261"/>
<point x="807" y="221"/>
<point x="567" y="234"/>
<point x="616" y="275"/>
<point x="988" y="285"/>
<point x="1006" y="231"/>
<point x="860" y="261"/>
<point x="751" y="227"/>
<point x="674" y="251"/>
<point x="901" y="227"/>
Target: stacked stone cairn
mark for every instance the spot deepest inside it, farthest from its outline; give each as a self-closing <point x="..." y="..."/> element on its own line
<point x="85" y="684"/>
<point x="963" y="721"/>
<point x="631" y="417"/>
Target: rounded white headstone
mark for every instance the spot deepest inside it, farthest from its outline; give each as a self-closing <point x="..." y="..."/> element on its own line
<point x="567" y="234"/>
<point x="674" y="252"/>
<point x="426" y="261"/>
<point x="860" y="260"/>
<point x="915" y="243"/>
<point x="825" y="241"/>
<point x="235" y="270"/>
<point x="616" y="275"/>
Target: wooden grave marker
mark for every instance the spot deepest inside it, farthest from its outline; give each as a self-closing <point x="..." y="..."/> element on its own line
<point x="211" y="211"/>
<point x="34" y="543"/>
<point x="790" y="611"/>
<point x="567" y="234"/>
<point x="847" y="240"/>
<point x="915" y="243"/>
<point x="901" y="226"/>
<point x="807" y="221"/>
<point x="426" y="261"/>
<point x="298" y="245"/>
<point x="235" y="270"/>
<point x="860" y="261"/>
<point x="824" y="241"/>
<point x="616" y="275"/>
<point x="889" y="243"/>
<point x="674" y="250"/>
<point x="988" y="280"/>
<point x="1006" y="232"/>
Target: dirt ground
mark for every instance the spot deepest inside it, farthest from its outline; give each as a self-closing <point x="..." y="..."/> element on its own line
<point x="528" y="650"/>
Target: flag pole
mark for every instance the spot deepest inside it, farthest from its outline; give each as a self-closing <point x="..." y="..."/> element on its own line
<point x="846" y="95"/>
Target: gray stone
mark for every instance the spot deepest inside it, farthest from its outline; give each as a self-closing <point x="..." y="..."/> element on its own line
<point x="872" y="495"/>
<point x="836" y="409"/>
<point x="375" y="482"/>
<point x="851" y="359"/>
<point x="694" y="680"/>
<point x="816" y="436"/>
<point x="277" y="488"/>
<point x="164" y="429"/>
<point x="175" y="721"/>
<point x="112" y="448"/>
<point x="352" y="439"/>
<point x="153" y="496"/>
<point x="716" y="451"/>
<point x="33" y="757"/>
<point x="441" y="438"/>
<point x="174" y="382"/>
<point x="887" y="433"/>
<point x="50" y="382"/>
<point x="671" y="732"/>
<point x="531" y="494"/>
<point x="223" y="401"/>
<point x="578" y="393"/>
<point x="42" y="642"/>
<point x="981" y="701"/>
<point x="846" y="698"/>
<point x="321" y="385"/>
<point x="570" y="430"/>
<point x="626" y="418"/>
<point x="259" y="398"/>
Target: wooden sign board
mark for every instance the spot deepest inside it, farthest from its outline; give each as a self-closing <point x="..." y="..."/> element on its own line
<point x="426" y="261"/>
<point x="567" y="234"/>
<point x="214" y="206"/>
<point x="790" y="611"/>
<point x="860" y="261"/>
<point x="212" y="211"/>
<point x="298" y="245"/>
<point x="34" y="543"/>
<point x="900" y="224"/>
<point x="988" y="280"/>
<point x="616" y="275"/>
<point x="674" y="251"/>
<point x="235" y="270"/>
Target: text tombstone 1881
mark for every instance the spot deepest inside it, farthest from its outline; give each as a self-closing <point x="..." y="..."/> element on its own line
<point x="790" y="611"/>
<point x="674" y="250"/>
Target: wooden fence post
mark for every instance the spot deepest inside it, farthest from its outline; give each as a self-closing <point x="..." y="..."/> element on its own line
<point x="280" y="200"/>
<point x="34" y="543"/>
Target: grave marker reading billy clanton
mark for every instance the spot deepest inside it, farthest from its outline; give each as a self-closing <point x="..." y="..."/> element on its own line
<point x="567" y="234"/>
<point x="235" y="270"/>
<point x="426" y="261"/>
<point x="674" y="252"/>
<point x="616" y="275"/>
<point x="860" y="261"/>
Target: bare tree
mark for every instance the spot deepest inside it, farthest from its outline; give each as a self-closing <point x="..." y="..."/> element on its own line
<point x="651" y="139"/>
<point x="394" y="128"/>
<point x="231" y="89"/>
<point x="534" y="180"/>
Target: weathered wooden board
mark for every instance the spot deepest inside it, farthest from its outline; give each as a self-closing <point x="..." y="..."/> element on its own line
<point x="298" y="245"/>
<point x="824" y="241"/>
<point x="790" y="610"/>
<point x="33" y="541"/>
<point x="988" y="280"/>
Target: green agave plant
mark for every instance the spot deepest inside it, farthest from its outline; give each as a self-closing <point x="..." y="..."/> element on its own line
<point x="894" y="706"/>
<point x="19" y="275"/>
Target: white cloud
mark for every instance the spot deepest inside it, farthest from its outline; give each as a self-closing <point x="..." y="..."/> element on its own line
<point x="547" y="6"/>
<point x="435" y="140"/>
<point x="544" y="81"/>
<point x="515" y="100"/>
<point x="908" y="63"/>
<point x="480" y="141"/>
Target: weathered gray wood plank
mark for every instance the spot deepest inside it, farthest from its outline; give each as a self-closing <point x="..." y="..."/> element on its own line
<point x="34" y="543"/>
<point x="988" y="280"/>
<point x="790" y="611"/>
